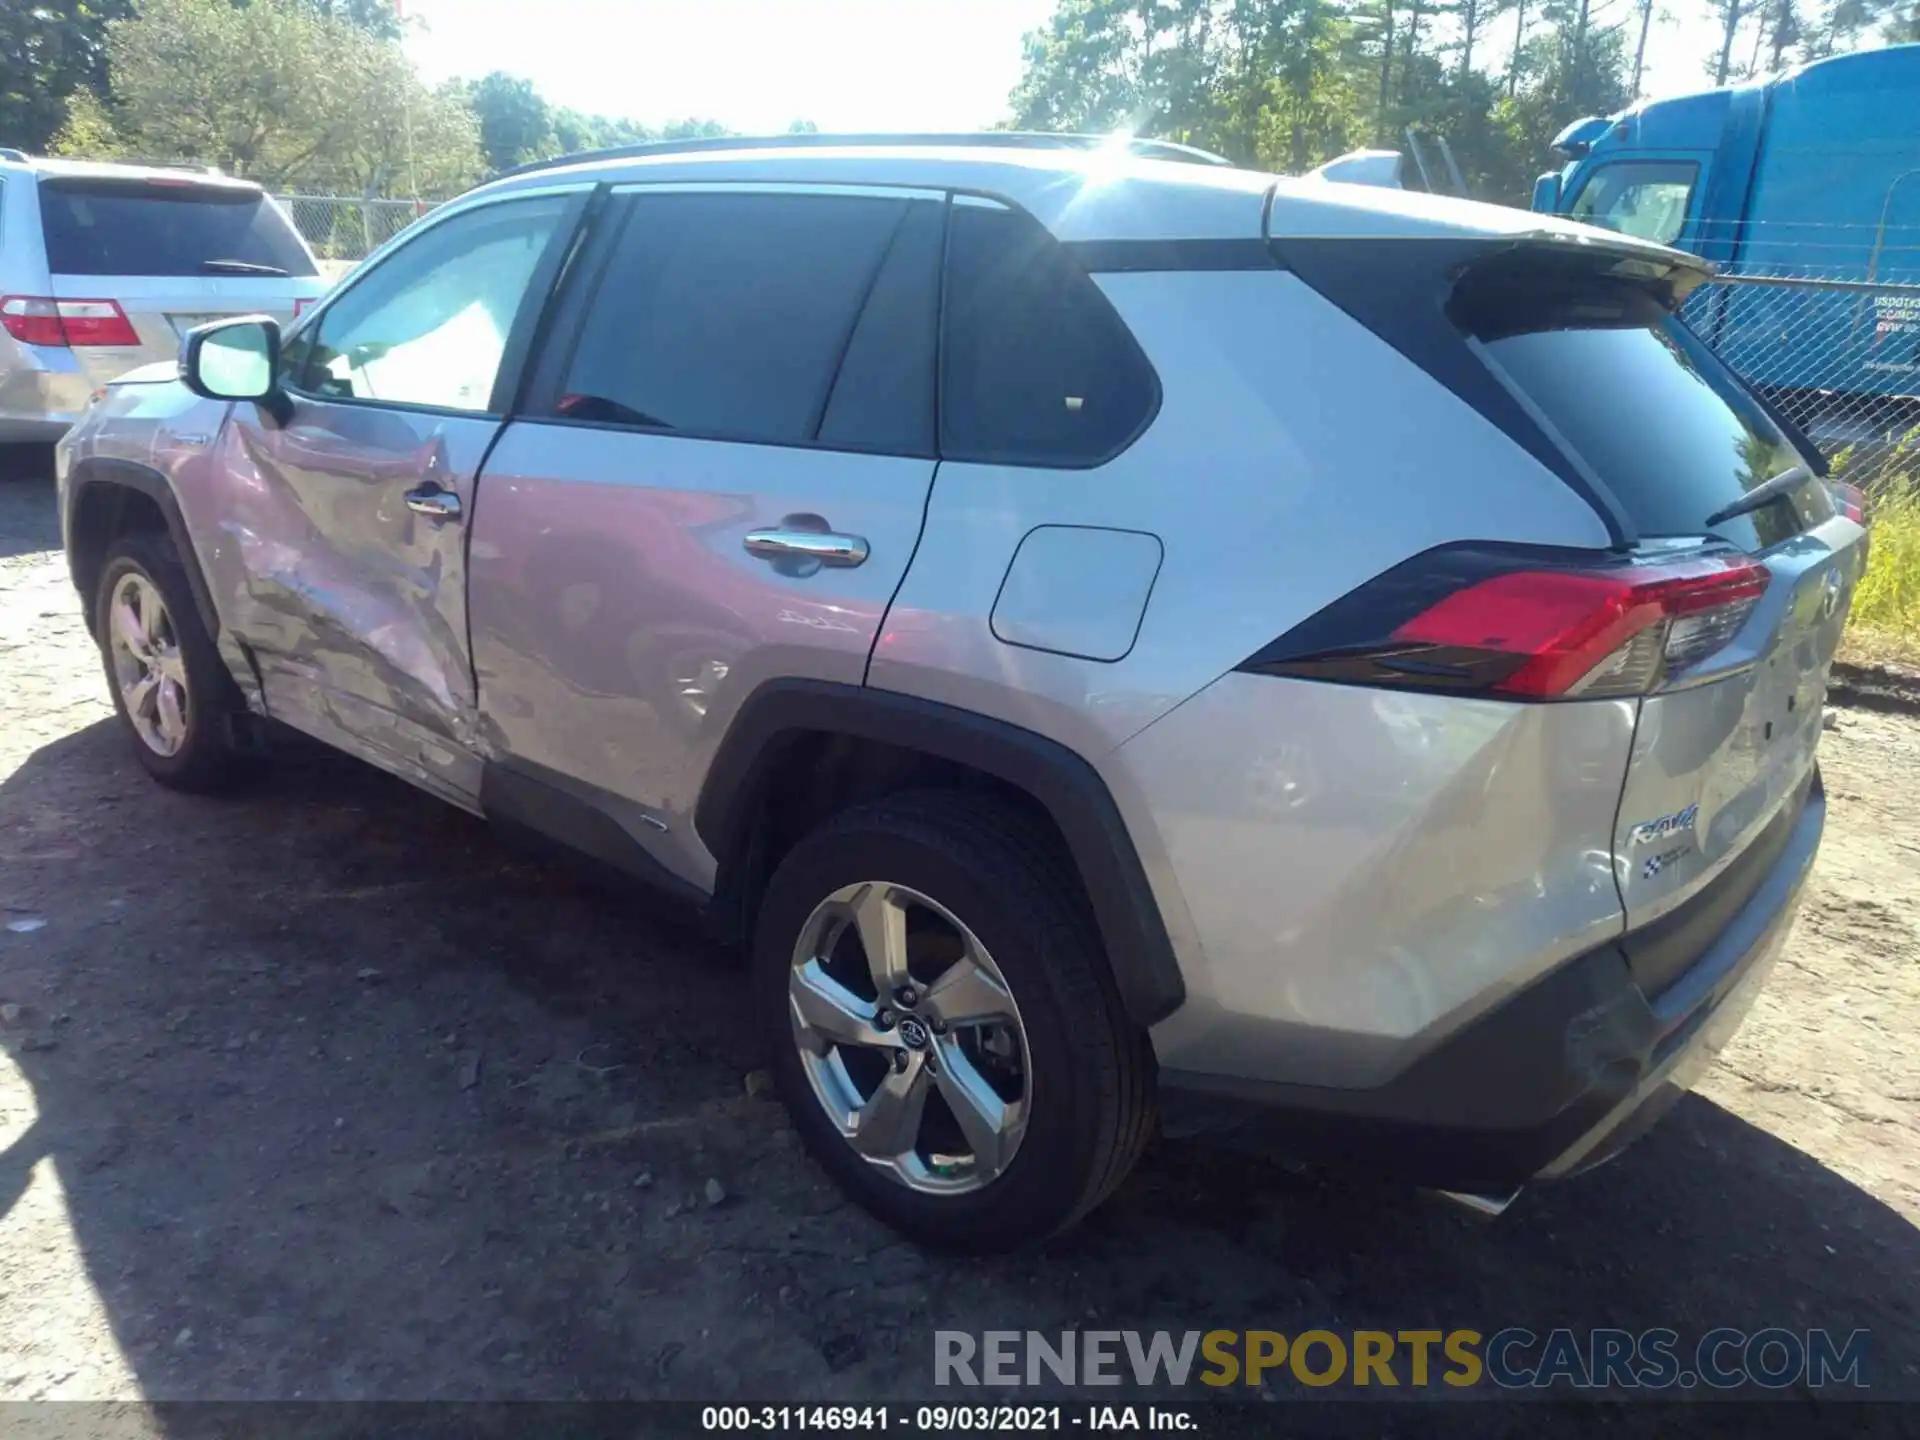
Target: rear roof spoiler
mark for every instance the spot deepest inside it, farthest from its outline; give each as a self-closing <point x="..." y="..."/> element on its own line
<point x="1673" y="274"/>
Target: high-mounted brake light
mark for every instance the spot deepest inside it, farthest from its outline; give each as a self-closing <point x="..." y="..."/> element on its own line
<point x="43" y="320"/>
<point x="1484" y="620"/>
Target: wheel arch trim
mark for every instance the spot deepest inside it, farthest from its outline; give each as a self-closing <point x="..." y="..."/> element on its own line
<point x="96" y="472"/>
<point x="1133" y="934"/>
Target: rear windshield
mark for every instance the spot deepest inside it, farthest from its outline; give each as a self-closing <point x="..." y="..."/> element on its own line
<point x="1656" y="417"/>
<point x="166" y="228"/>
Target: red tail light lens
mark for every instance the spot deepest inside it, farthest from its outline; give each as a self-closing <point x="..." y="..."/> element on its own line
<point x="32" y="321"/>
<point x="300" y="306"/>
<point x="96" y="322"/>
<point x="1486" y="621"/>
<point x="42" y="320"/>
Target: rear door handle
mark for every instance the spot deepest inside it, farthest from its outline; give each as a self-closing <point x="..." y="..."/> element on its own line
<point x="432" y="501"/>
<point x="843" y="552"/>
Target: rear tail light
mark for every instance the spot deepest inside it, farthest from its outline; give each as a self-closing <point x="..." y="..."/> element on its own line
<point x="32" y="321"/>
<point x="1524" y="624"/>
<point x="300" y="306"/>
<point x="1849" y="500"/>
<point x="40" y="320"/>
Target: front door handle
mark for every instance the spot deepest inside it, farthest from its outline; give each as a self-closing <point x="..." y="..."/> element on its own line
<point x="823" y="547"/>
<point x="432" y="501"/>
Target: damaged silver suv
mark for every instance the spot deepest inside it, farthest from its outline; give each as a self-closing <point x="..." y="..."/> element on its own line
<point x="1105" y="628"/>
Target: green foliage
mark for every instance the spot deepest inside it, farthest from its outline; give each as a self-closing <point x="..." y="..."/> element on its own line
<point x="88" y="133"/>
<point x="515" y="124"/>
<point x="1886" y="606"/>
<point x="48" y="50"/>
<point x="278" y="92"/>
<point x="376" y="17"/>
<point x="1291" y="83"/>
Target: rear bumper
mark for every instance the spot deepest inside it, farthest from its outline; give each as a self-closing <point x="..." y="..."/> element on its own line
<point x="39" y="399"/>
<point x="1558" y="1078"/>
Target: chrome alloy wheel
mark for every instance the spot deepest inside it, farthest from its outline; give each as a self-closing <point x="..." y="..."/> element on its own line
<point x="147" y="665"/>
<point x="910" y="1038"/>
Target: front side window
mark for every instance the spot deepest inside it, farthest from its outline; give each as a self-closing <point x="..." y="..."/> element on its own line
<point x="429" y="324"/>
<point x="734" y="316"/>
<point x="1643" y="198"/>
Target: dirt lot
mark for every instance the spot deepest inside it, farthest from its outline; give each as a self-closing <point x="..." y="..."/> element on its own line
<point x="319" y="1092"/>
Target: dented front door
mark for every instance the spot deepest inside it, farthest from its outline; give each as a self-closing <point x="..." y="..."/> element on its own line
<point x="346" y="515"/>
<point x="350" y="530"/>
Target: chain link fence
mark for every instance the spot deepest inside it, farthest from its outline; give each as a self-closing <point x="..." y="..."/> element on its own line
<point x="1823" y="320"/>
<point x="344" y="229"/>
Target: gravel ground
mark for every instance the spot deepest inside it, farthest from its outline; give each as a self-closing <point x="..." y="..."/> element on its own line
<point x="319" y="1092"/>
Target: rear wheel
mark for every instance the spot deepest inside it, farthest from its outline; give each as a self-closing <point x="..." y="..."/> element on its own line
<point x="168" y="683"/>
<point x="942" y="1026"/>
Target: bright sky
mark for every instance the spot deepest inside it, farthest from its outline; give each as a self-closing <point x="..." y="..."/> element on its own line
<point x="756" y="65"/>
<point x="753" y="65"/>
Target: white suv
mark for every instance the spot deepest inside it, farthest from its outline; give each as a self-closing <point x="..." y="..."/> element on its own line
<point x="1104" y="630"/>
<point x="105" y="267"/>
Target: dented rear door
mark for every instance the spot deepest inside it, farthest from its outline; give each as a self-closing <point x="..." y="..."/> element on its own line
<point x="348" y="514"/>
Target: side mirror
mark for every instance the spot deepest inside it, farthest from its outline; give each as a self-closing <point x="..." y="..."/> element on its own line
<point x="236" y="359"/>
<point x="1546" y="193"/>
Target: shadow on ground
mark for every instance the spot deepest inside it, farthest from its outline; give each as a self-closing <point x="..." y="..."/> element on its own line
<point x="29" y="521"/>
<point x="347" y="1101"/>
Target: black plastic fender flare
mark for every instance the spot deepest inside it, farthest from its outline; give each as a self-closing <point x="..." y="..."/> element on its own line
<point x="1132" y="932"/>
<point x="127" y="475"/>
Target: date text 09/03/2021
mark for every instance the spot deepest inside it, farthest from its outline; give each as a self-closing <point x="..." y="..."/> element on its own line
<point x="943" y="1419"/>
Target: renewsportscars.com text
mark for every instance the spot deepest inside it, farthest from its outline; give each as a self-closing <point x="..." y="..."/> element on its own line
<point x="1513" y="1358"/>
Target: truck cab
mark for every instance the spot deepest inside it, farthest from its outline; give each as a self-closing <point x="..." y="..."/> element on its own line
<point x="1640" y="172"/>
<point x="1807" y="183"/>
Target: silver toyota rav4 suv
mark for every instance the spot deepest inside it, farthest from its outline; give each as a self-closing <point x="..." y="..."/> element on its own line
<point x="1103" y="628"/>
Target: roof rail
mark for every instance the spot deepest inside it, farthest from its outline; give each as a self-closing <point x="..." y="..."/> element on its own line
<point x="982" y="139"/>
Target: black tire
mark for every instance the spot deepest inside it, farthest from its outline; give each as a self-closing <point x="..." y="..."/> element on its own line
<point x="206" y="759"/>
<point x="1091" y="1077"/>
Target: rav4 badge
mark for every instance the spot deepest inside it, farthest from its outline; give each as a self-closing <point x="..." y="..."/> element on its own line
<point x="1662" y="826"/>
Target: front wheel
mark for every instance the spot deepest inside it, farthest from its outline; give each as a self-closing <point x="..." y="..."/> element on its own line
<point x="169" y="685"/>
<point x="943" y="1028"/>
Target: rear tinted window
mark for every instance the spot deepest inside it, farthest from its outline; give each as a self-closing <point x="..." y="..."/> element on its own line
<point x="1039" y="369"/>
<point x="1662" y="423"/>
<point x="727" y="316"/>
<point x="143" y="228"/>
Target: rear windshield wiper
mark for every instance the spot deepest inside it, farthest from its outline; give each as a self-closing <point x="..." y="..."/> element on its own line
<point x="1762" y="495"/>
<point x="243" y="267"/>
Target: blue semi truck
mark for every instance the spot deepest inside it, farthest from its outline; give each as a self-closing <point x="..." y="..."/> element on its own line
<point x="1806" y="188"/>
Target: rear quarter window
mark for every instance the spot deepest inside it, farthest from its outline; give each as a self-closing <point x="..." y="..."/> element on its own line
<point x="1037" y="369"/>
<point x="142" y="227"/>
